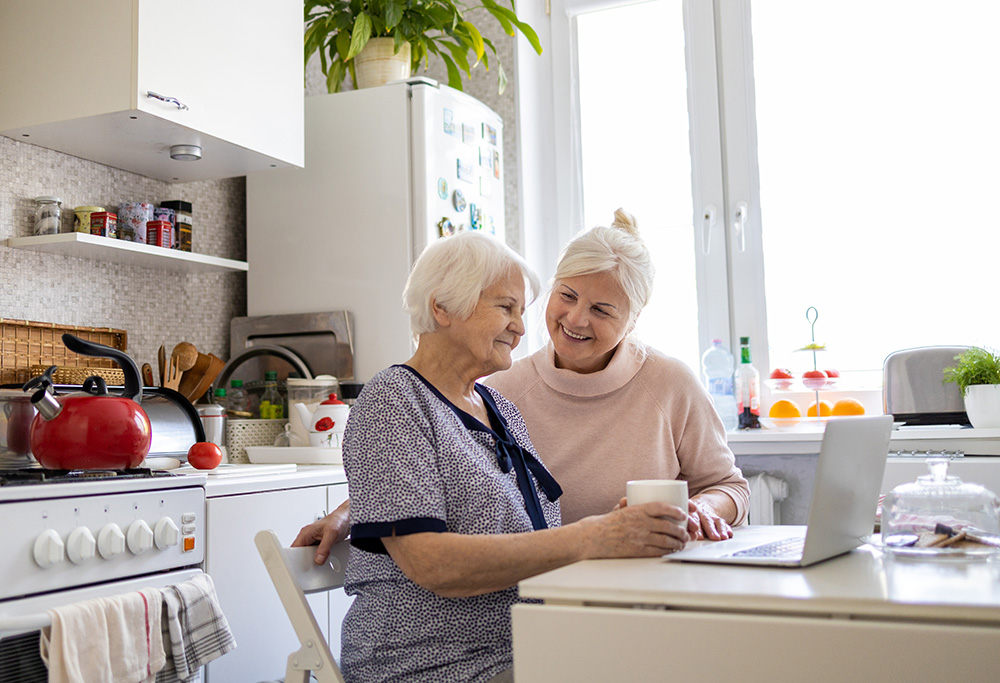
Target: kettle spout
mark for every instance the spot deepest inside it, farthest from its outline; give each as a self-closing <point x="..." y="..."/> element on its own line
<point x="46" y="404"/>
<point x="304" y="414"/>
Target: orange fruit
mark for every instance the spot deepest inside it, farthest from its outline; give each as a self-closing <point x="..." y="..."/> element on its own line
<point x="848" y="406"/>
<point x="824" y="409"/>
<point x="784" y="408"/>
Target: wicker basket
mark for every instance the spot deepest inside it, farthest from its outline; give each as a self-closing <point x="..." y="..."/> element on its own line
<point x="62" y="375"/>
<point x="25" y="344"/>
<point x="243" y="433"/>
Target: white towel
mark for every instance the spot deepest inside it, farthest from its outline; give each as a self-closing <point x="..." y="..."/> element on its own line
<point x="198" y="631"/>
<point x="107" y="640"/>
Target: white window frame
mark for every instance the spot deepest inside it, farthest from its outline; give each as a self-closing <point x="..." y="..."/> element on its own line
<point x="549" y="173"/>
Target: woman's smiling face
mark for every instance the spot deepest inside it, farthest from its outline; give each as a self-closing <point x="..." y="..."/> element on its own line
<point x="587" y="317"/>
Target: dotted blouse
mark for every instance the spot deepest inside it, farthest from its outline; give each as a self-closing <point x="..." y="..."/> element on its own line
<point x="417" y="463"/>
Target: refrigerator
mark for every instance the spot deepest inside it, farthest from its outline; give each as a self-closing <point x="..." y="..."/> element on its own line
<point x="387" y="170"/>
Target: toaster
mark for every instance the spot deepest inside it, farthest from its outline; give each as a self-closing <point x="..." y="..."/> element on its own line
<point x="914" y="391"/>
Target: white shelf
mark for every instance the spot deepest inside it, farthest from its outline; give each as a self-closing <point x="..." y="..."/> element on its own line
<point x="109" y="250"/>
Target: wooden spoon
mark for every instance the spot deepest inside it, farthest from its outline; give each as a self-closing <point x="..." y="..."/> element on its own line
<point x="186" y="355"/>
<point x="161" y="359"/>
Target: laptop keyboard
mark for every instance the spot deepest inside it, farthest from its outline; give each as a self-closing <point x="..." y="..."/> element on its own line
<point x="786" y="547"/>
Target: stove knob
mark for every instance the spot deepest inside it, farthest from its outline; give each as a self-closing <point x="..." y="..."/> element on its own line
<point x="81" y="545"/>
<point x="140" y="537"/>
<point x="110" y="541"/>
<point x="166" y="533"/>
<point x="48" y="549"/>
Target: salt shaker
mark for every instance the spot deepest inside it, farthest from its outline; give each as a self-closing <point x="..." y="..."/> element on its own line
<point x="48" y="211"/>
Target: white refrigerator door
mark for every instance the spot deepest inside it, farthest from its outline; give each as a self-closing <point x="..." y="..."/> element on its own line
<point x="385" y="170"/>
<point x="336" y="234"/>
<point x="457" y="165"/>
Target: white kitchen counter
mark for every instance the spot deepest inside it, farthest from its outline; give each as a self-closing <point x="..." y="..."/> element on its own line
<point x="806" y="438"/>
<point x="860" y="616"/>
<point x="235" y="479"/>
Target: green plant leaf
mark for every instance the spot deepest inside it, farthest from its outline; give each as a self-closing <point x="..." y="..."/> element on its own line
<point x="393" y="13"/>
<point x="360" y="35"/>
<point x="343" y="45"/>
<point x="460" y="54"/>
<point x="528" y="32"/>
<point x="477" y="39"/>
<point x="454" y="77"/>
<point x="335" y="76"/>
<point x="501" y="79"/>
<point x="972" y="367"/>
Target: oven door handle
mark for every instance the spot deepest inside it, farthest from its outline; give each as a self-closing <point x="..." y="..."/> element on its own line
<point x="31" y="622"/>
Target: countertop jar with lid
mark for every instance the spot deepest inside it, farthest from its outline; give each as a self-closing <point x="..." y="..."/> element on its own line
<point x="48" y="212"/>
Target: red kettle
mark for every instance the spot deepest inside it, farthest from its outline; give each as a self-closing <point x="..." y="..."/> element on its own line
<point x="92" y="429"/>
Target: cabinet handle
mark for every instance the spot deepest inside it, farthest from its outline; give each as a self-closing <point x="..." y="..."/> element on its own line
<point x="170" y="100"/>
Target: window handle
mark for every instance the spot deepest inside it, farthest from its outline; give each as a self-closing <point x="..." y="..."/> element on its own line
<point x="708" y="222"/>
<point x="740" y="225"/>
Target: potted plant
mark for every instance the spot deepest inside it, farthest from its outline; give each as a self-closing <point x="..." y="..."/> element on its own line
<point x="977" y="374"/>
<point x="341" y="29"/>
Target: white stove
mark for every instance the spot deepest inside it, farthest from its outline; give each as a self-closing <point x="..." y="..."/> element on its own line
<point x="71" y="536"/>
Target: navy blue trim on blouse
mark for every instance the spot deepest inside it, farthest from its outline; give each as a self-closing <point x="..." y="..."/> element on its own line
<point x="368" y="536"/>
<point x="509" y="453"/>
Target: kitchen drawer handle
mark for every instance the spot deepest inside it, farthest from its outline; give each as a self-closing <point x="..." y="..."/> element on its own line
<point x="170" y="100"/>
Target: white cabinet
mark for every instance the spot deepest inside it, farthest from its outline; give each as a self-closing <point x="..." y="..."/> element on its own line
<point x="264" y="635"/>
<point x="77" y="78"/>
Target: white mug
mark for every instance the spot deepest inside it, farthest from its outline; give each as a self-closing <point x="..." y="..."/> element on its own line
<point x="670" y="491"/>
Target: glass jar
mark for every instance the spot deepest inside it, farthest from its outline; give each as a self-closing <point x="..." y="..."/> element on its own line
<point x="939" y="515"/>
<point x="48" y="212"/>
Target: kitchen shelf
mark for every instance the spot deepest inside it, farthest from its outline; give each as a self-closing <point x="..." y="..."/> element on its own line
<point x="121" y="252"/>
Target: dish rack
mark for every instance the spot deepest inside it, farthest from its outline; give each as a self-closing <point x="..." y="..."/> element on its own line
<point x="243" y="433"/>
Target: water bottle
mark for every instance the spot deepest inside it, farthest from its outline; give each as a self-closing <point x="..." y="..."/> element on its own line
<point x="717" y="373"/>
<point x="238" y="400"/>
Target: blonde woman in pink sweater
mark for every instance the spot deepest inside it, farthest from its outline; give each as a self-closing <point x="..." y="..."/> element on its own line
<point x="602" y="408"/>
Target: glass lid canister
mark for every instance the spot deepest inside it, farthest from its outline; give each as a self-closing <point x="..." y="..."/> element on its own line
<point x="940" y="511"/>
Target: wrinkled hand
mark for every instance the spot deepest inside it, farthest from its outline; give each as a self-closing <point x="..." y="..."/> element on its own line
<point x="647" y="530"/>
<point x="705" y="523"/>
<point x="327" y="532"/>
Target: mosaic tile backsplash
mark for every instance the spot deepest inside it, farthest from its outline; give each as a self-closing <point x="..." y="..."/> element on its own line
<point x="161" y="306"/>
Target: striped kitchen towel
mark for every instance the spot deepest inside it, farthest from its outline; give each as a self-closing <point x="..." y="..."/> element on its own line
<point x="198" y="631"/>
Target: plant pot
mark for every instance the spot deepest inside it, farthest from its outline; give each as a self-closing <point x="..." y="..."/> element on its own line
<point x="377" y="65"/>
<point x="982" y="403"/>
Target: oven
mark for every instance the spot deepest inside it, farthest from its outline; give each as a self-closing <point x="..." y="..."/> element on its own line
<point x="74" y="536"/>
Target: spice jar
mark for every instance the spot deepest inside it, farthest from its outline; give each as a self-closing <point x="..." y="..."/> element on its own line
<point x="48" y="211"/>
<point x="81" y="219"/>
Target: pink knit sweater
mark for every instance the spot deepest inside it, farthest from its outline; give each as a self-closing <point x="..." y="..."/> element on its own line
<point x="645" y="416"/>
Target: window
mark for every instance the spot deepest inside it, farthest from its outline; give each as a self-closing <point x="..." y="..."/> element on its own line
<point x="635" y="153"/>
<point x="841" y="155"/>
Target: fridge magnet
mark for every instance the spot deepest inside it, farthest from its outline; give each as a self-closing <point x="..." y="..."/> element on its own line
<point x="466" y="172"/>
<point x="485" y="186"/>
<point x="468" y="134"/>
<point x="442" y="188"/>
<point x="445" y="227"/>
<point x="449" y="123"/>
<point x="473" y="217"/>
<point x="493" y="227"/>
<point x="490" y="134"/>
<point x="485" y="157"/>
<point x="496" y="164"/>
<point x="458" y="201"/>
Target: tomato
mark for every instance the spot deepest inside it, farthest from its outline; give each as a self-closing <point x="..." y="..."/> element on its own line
<point x="833" y="373"/>
<point x="814" y="374"/>
<point x="781" y="373"/>
<point x="205" y="455"/>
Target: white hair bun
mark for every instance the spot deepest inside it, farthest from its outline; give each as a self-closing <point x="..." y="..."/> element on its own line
<point x="625" y="221"/>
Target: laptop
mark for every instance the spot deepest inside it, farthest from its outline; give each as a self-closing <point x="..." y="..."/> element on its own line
<point x="842" y="513"/>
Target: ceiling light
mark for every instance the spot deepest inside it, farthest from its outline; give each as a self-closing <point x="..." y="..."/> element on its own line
<point x="185" y="152"/>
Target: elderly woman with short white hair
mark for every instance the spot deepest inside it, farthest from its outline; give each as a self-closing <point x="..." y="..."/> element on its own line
<point x="451" y="505"/>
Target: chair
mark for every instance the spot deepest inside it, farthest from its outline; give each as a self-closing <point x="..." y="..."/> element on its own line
<point x="294" y="574"/>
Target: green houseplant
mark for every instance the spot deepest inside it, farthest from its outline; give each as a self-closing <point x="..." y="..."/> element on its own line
<point x="339" y="29"/>
<point x="977" y="374"/>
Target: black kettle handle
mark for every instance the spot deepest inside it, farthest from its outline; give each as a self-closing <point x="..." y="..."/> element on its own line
<point x="133" y="384"/>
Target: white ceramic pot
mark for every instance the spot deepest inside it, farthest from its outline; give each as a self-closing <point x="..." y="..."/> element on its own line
<point x="377" y="65"/>
<point x="982" y="403"/>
